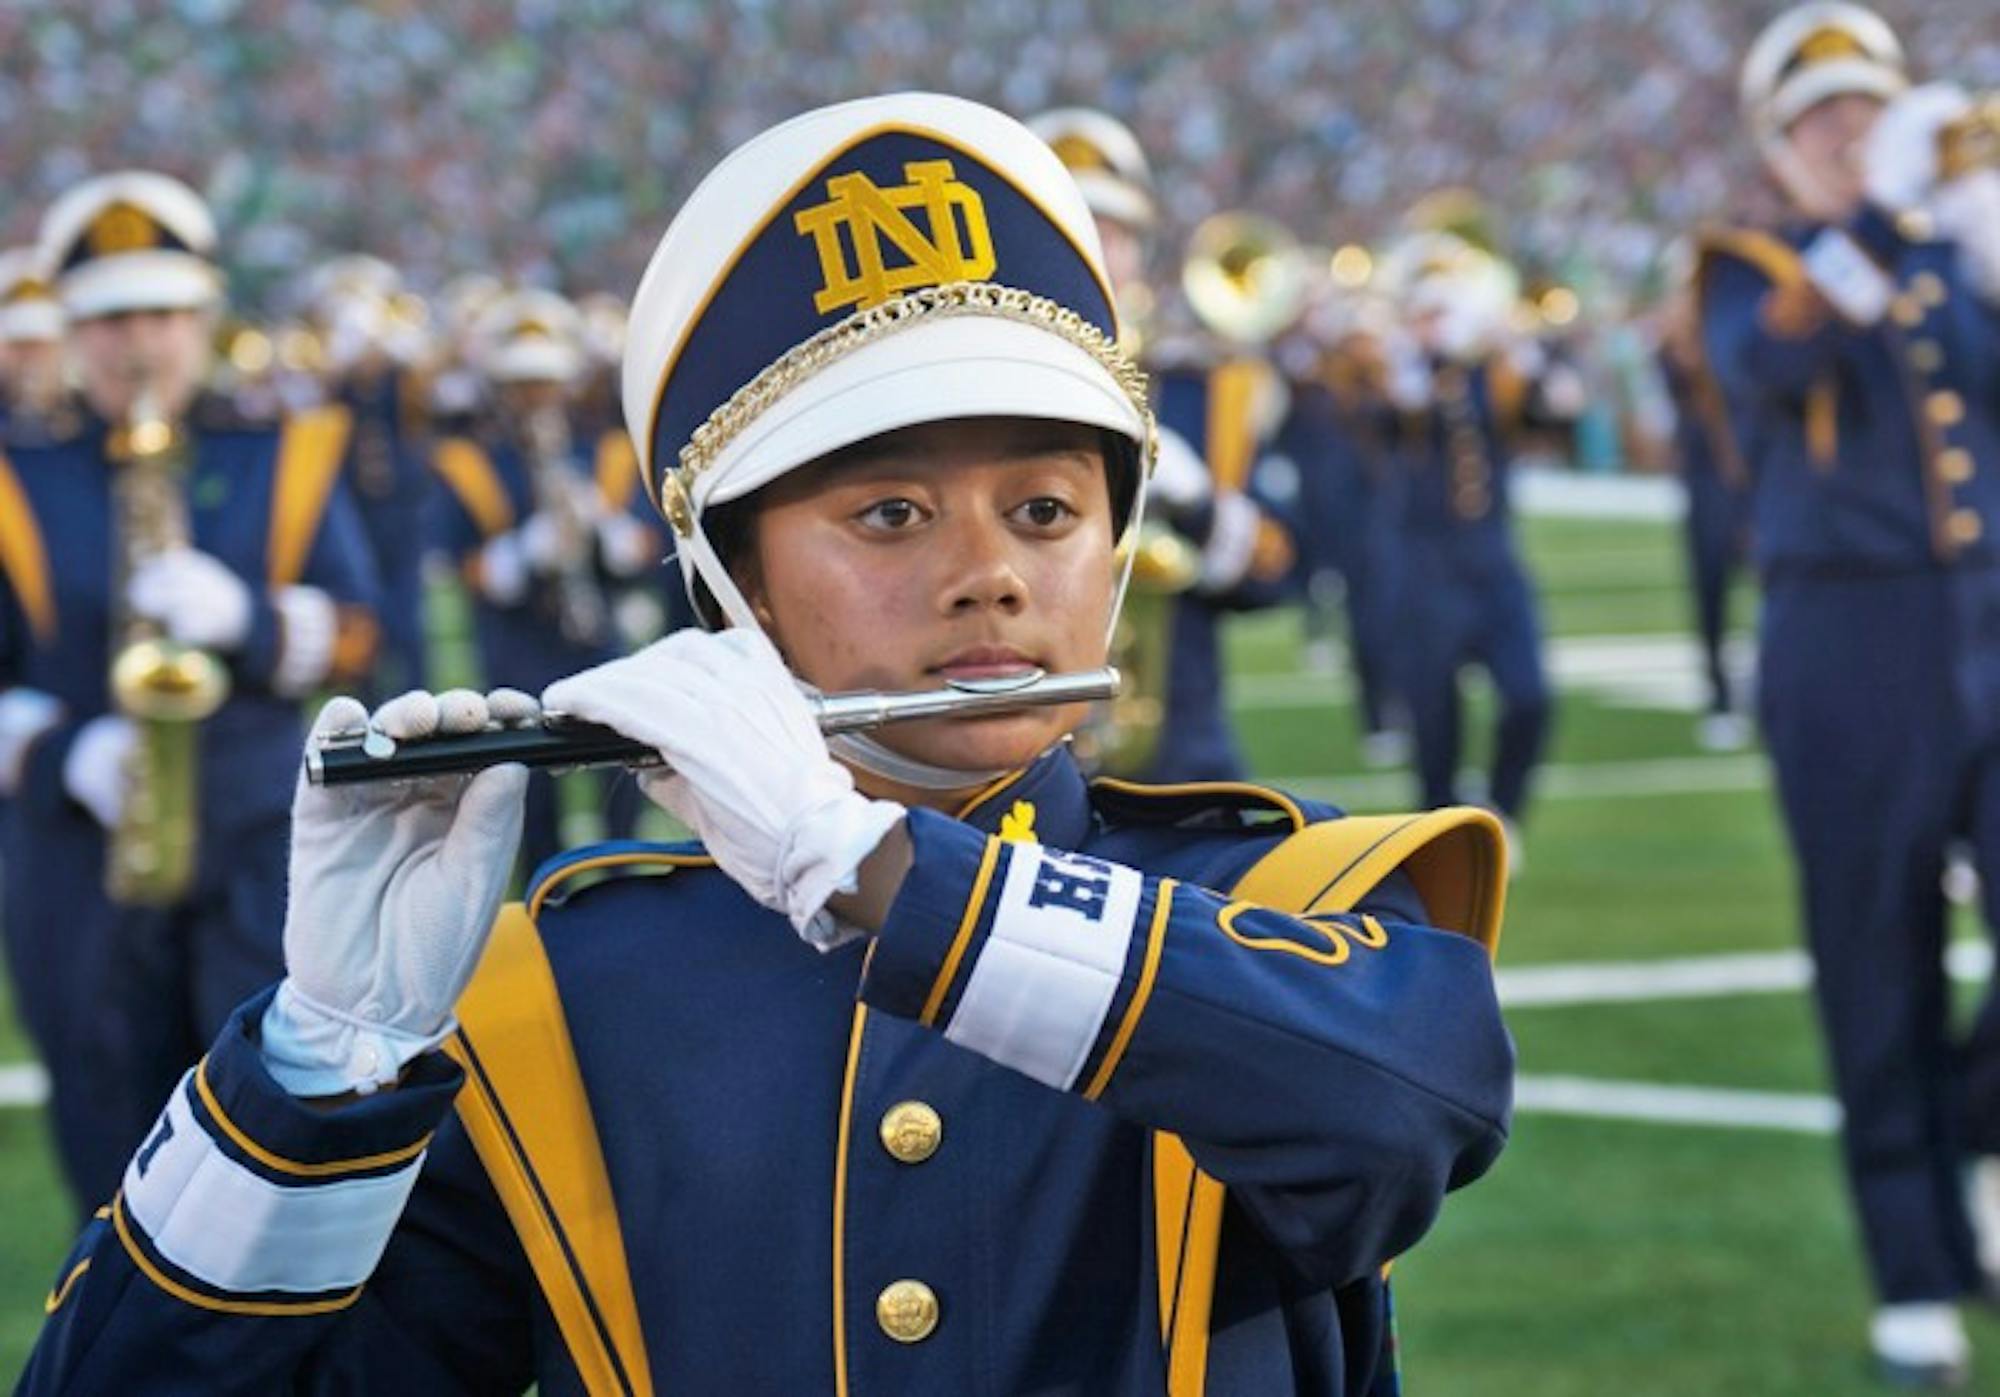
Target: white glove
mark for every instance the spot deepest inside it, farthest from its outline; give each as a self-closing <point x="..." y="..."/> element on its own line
<point x="393" y="890"/>
<point x="749" y="771"/>
<point x="627" y="545"/>
<point x="549" y="544"/>
<point x="1180" y="478"/>
<point x="195" y="596"/>
<point x="1408" y="377"/>
<point x="1968" y="213"/>
<point x="94" y="766"/>
<point x="25" y="714"/>
<point x="1899" y="160"/>
<point x="503" y="569"/>
<point x="308" y="629"/>
<point x="1847" y="276"/>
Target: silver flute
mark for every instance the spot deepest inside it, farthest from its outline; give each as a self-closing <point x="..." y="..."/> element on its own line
<point x="564" y="743"/>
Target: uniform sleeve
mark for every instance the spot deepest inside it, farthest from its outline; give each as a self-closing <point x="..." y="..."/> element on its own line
<point x="1338" y="1073"/>
<point x="259" y="1245"/>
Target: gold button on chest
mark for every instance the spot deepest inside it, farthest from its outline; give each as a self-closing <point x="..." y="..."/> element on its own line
<point x="1926" y="356"/>
<point x="1928" y="287"/>
<point x="1954" y="465"/>
<point x="907" y="1311"/>
<point x="911" y="1131"/>
<point x="1945" y="408"/>
<point x="1965" y="526"/>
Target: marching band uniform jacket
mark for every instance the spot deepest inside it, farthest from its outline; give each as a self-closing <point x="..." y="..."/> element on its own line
<point x="264" y="498"/>
<point x="1874" y="454"/>
<point x="934" y="1161"/>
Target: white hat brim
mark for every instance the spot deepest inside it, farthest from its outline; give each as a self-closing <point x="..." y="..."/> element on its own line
<point x="966" y="366"/>
<point x="31" y="320"/>
<point x="160" y="279"/>
<point x="1838" y="78"/>
<point x="533" y="361"/>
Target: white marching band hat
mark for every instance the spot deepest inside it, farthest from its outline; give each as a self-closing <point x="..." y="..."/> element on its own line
<point x="1817" y="51"/>
<point x="530" y="336"/>
<point x="862" y="268"/>
<point x="29" y="309"/>
<point x="131" y="241"/>
<point x="1105" y="159"/>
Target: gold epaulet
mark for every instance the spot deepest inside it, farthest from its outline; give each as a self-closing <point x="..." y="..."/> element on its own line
<point x="468" y="471"/>
<point x="1140" y="803"/>
<point x="1457" y="857"/>
<point x="1769" y="254"/>
<point x="555" y="881"/>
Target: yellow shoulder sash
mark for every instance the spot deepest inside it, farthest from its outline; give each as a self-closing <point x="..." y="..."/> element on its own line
<point x="524" y="1107"/>
<point x="469" y="473"/>
<point x="310" y="451"/>
<point x="1777" y="259"/>
<point x="23" y="558"/>
<point x="1457" y="858"/>
<point x="617" y="469"/>
<point x="1231" y="443"/>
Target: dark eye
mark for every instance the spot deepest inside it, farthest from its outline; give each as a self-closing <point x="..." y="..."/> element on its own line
<point x="891" y="515"/>
<point x="1045" y="511"/>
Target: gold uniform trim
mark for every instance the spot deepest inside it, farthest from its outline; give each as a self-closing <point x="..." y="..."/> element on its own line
<point x="617" y="470"/>
<point x="55" y="1298"/>
<point x="260" y="1308"/>
<point x="1229" y="443"/>
<point x="540" y="896"/>
<point x="470" y="474"/>
<point x="23" y="558"/>
<point x="1457" y="857"/>
<point x="848" y="1075"/>
<point x="543" y="1156"/>
<point x="962" y="938"/>
<point x="323" y="1170"/>
<point x="1149" y="971"/>
<point x="310" y="451"/>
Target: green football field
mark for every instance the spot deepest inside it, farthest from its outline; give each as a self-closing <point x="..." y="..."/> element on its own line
<point x="1610" y="1251"/>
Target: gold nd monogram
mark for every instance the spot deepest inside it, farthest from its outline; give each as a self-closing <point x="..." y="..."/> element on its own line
<point x="875" y="218"/>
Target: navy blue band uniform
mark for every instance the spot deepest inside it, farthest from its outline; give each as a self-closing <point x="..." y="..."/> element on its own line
<point x="930" y="1193"/>
<point x="1134" y="1090"/>
<point x="1875" y="461"/>
<point x="389" y="475"/>
<point x="119" y="999"/>
<point x="1464" y="595"/>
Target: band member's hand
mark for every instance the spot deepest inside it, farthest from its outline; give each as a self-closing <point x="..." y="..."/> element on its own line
<point x="748" y="769"/>
<point x="1899" y="161"/>
<point x="94" y="766"/>
<point x="195" y="596"/>
<point x="393" y="890"/>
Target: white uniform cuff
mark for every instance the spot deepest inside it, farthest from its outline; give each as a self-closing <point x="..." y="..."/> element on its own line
<point x="1847" y="277"/>
<point x="1232" y="542"/>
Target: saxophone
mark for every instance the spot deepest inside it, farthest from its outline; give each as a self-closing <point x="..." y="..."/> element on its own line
<point x="580" y="609"/>
<point x="165" y="688"/>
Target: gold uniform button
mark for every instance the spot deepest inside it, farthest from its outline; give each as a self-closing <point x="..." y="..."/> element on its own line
<point x="1945" y="408"/>
<point x="911" y="1131"/>
<point x="1926" y="356"/>
<point x="1906" y="310"/>
<point x="1965" y="526"/>
<point x="1928" y="287"/>
<point x="1954" y="465"/>
<point x="907" y="1311"/>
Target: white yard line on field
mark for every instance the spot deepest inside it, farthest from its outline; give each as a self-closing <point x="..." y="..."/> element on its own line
<point x="1691" y="977"/>
<point x="1794" y="1112"/>
<point x="1657" y="776"/>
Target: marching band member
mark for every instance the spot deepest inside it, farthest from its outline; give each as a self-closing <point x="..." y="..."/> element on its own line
<point x="529" y="523"/>
<point x="1860" y="353"/>
<point x="932" y="1069"/>
<point x="146" y="854"/>
<point x="1239" y="552"/>
<point x="373" y="357"/>
<point x="31" y="347"/>
<point x="1465" y="596"/>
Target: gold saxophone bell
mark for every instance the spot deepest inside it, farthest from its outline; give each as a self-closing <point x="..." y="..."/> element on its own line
<point x="1245" y="276"/>
<point x="1971" y="142"/>
<point x="165" y="688"/>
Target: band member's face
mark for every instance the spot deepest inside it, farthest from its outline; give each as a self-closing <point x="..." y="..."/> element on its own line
<point x="32" y="370"/>
<point x="965" y="549"/>
<point x="1828" y="141"/>
<point x="117" y="355"/>
<point x="1124" y="254"/>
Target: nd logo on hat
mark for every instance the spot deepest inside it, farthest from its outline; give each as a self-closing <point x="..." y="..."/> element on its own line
<point x="873" y="216"/>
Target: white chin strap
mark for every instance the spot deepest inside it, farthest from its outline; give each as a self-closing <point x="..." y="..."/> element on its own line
<point x="859" y="749"/>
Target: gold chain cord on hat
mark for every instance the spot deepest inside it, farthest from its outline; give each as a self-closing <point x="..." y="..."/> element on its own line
<point x="837" y="341"/>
